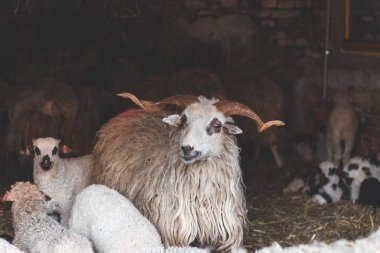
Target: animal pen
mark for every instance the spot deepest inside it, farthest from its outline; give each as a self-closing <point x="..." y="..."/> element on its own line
<point x="63" y="62"/>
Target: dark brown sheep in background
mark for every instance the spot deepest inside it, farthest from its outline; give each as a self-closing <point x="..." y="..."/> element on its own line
<point x="267" y="97"/>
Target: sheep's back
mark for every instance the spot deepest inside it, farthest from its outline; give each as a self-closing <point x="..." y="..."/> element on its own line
<point x="131" y="142"/>
<point x="78" y="171"/>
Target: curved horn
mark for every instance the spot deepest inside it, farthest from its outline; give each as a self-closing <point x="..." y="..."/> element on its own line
<point x="230" y="108"/>
<point x="181" y="100"/>
<point x="146" y="105"/>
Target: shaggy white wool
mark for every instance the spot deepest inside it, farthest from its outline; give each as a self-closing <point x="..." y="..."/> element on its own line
<point x="111" y="221"/>
<point x="35" y="231"/>
<point x="203" y="202"/>
<point x="65" y="177"/>
<point x="6" y="247"/>
<point x="370" y="244"/>
<point x="172" y="250"/>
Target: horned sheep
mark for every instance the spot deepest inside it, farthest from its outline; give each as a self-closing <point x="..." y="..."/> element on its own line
<point x="186" y="180"/>
<point x="34" y="230"/>
<point x="60" y="178"/>
<point x="113" y="223"/>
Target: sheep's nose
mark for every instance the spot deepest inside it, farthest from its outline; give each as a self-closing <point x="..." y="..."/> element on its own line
<point x="46" y="163"/>
<point x="186" y="149"/>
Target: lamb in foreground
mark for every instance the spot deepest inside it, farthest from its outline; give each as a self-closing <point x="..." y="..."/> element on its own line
<point x="111" y="221"/>
<point x="184" y="176"/>
<point x="6" y="247"/>
<point x="35" y="231"/>
<point x="364" y="245"/>
<point x="60" y="178"/>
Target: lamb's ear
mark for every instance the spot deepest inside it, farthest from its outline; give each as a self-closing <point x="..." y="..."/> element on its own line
<point x="63" y="149"/>
<point x="27" y="151"/>
<point x="173" y="120"/>
<point x="5" y="197"/>
<point x="231" y="128"/>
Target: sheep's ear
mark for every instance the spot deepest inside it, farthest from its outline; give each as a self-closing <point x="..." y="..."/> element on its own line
<point x="63" y="149"/>
<point x="5" y="197"/>
<point x="172" y="120"/>
<point x="27" y="151"/>
<point x="231" y="128"/>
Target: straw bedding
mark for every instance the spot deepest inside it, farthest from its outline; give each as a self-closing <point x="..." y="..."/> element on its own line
<point x="289" y="219"/>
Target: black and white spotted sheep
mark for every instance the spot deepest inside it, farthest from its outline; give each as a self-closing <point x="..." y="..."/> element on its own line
<point x="355" y="172"/>
<point x="324" y="187"/>
<point x="330" y="189"/>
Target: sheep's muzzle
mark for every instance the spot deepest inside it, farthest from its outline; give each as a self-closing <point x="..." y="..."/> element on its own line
<point x="46" y="163"/>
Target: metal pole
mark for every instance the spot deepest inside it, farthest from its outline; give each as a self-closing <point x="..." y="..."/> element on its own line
<point x="327" y="50"/>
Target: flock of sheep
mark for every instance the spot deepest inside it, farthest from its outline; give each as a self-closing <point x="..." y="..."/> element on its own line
<point x="159" y="181"/>
<point x="180" y="173"/>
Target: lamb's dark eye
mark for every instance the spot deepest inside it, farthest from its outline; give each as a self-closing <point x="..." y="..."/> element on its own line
<point x="215" y="126"/>
<point x="55" y="151"/>
<point x="37" y="151"/>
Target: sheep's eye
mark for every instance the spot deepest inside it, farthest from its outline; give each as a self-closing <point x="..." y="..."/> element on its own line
<point x="37" y="151"/>
<point x="215" y="126"/>
<point x="55" y="151"/>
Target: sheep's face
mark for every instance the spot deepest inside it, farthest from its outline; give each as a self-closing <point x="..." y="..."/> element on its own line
<point x="203" y="130"/>
<point x="45" y="152"/>
<point x="356" y="170"/>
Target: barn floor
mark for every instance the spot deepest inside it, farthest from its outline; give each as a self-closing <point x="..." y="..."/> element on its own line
<point x="292" y="219"/>
<point x="289" y="219"/>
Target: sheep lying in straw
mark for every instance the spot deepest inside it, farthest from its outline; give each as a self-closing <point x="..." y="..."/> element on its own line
<point x="60" y="178"/>
<point x="369" y="244"/>
<point x="185" y="179"/>
<point x="356" y="171"/>
<point x="324" y="187"/>
<point x="113" y="223"/>
<point x="35" y="231"/>
<point x="6" y="247"/>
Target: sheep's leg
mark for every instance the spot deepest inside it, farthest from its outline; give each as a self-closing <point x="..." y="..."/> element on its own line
<point x="337" y="150"/>
<point x="329" y="147"/>
<point x="277" y="156"/>
<point x="348" y="145"/>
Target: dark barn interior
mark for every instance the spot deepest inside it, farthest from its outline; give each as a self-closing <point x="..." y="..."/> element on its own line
<point x="62" y="63"/>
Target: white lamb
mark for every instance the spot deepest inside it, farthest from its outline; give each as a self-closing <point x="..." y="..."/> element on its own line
<point x="60" y="178"/>
<point x="114" y="225"/>
<point x="6" y="247"/>
<point x="342" y="127"/>
<point x="370" y="244"/>
<point x="35" y="231"/>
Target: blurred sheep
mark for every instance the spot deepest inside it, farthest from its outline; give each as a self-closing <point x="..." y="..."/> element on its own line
<point x="35" y="231"/>
<point x="6" y="247"/>
<point x="368" y="244"/>
<point x="342" y="128"/>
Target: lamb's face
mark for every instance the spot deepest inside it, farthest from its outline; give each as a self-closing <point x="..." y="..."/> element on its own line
<point x="330" y="172"/>
<point x="356" y="170"/>
<point x="203" y="131"/>
<point x="45" y="152"/>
